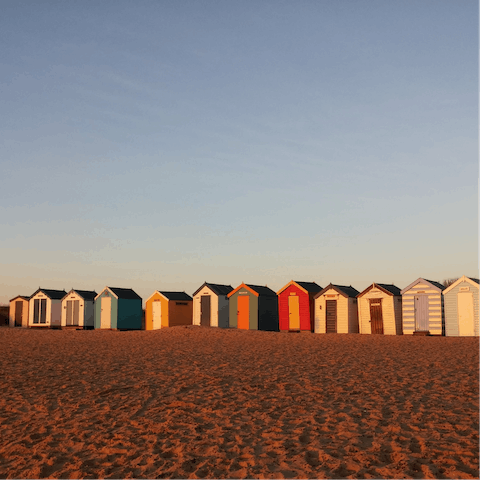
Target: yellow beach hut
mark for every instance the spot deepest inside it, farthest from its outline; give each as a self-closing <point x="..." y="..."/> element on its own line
<point x="380" y="310"/>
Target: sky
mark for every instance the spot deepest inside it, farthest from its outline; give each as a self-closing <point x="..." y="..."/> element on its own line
<point x="157" y="145"/>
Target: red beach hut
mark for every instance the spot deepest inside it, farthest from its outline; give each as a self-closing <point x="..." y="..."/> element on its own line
<point x="296" y="306"/>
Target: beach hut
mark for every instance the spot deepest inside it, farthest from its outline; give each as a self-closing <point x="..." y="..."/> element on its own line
<point x="210" y="305"/>
<point x="118" y="308"/>
<point x="78" y="309"/>
<point x="380" y="310"/>
<point x="461" y="308"/>
<point x="18" y="312"/>
<point x="422" y="307"/>
<point x="252" y="307"/>
<point x="295" y="306"/>
<point x="168" y="309"/>
<point x="336" y="309"/>
<point x="45" y="308"/>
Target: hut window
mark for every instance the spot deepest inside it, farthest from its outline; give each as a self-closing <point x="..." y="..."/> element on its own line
<point x="181" y="303"/>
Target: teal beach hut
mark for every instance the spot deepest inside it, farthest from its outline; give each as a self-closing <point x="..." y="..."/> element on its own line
<point x="118" y="309"/>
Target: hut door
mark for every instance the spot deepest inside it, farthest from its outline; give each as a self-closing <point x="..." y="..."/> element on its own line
<point x="243" y="313"/>
<point x="205" y="310"/>
<point x="466" y="326"/>
<point x="76" y="313"/>
<point x="18" y="313"/>
<point x="106" y="313"/>
<point x="156" y="315"/>
<point x="294" y="312"/>
<point x="376" y="317"/>
<point x="40" y="310"/>
<point x="331" y="316"/>
<point x="69" y="312"/>
<point x="421" y="313"/>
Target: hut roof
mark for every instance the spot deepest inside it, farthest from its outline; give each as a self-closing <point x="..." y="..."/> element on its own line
<point x="126" y="293"/>
<point x="473" y="281"/>
<point x="179" y="296"/>
<point x="23" y="297"/>
<point x="85" y="294"/>
<point x="387" y="288"/>
<point x="255" y="289"/>
<point x="52" y="294"/>
<point x="346" y="291"/>
<point x="216" y="288"/>
<point x="434" y="284"/>
<point x="262" y="290"/>
<point x="391" y="288"/>
<point x="308" y="287"/>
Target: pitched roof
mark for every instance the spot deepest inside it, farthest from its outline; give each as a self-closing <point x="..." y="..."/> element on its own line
<point x="347" y="291"/>
<point x="419" y="280"/>
<point x="216" y="288"/>
<point x="437" y="284"/>
<point x="52" y="294"/>
<point x="126" y="293"/>
<point x="23" y="297"/>
<point x="178" y="296"/>
<point x="390" y="288"/>
<point x="262" y="290"/>
<point x="310" y="287"/>
<point x="476" y="280"/>
<point x="85" y="294"/>
<point x="464" y="278"/>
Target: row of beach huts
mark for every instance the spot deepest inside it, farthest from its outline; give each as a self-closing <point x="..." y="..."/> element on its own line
<point x="424" y="307"/>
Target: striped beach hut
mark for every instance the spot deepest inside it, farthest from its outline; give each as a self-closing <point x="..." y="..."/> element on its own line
<point x="422" y="306"/>
<point x="336" y="309"/>
<point x="253" y="307"/>
<point x="18" y="312"/>
<point x="295" y="306"/>
<point x="168" y="309"/>
<point x="118" y="309"/>
<point x="45" y="308"/>
<point x="210" y="305"/>
<point x="461" y="308"/>
<point x="380" y="310"/>
<point x="78" y="310"/>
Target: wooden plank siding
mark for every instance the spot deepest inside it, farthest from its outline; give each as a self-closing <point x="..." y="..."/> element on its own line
<point x="24" y="311"/>
<point x="391" y="312"/>
<point x="214" y="306"/>
<point x="304" y="308"/>
<point x="435" y="317"/>
<point x="343" y="317"/>
<point x="450" y="298"/>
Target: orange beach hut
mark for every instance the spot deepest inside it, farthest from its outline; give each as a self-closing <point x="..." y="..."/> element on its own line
<point x="168" y="309"/>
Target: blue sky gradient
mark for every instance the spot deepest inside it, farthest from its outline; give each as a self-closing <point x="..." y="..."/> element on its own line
<point x="155" y="145"/>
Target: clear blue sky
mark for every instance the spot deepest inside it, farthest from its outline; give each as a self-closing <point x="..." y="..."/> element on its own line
<point x="159" y="144"/>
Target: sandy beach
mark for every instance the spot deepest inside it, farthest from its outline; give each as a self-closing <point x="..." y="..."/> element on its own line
<point x="194" y="402"/>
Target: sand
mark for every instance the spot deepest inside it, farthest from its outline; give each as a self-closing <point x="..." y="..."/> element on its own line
<point x="194" y="402"/>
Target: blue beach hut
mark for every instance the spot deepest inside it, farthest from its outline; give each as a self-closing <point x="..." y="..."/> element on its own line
<point x="118" y="309"/>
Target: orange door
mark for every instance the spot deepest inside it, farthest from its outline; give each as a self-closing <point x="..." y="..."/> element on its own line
<point x="243" y="312"/>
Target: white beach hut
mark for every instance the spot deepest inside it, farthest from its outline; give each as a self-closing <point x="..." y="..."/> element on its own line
<point x="78" y="309"/>
<point x="45" y="308"/>
<point x="380" y="310"/>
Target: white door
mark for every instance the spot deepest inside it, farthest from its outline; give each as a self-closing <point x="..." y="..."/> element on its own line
<point x="106" y="313"/>
<point x="466" y="326"/>
<point x="157" y="315"/>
